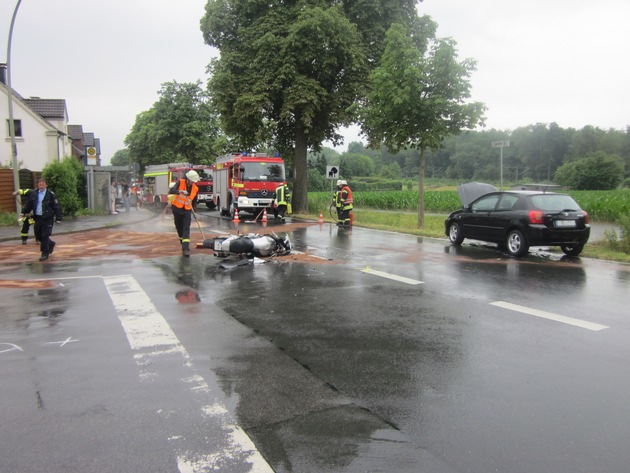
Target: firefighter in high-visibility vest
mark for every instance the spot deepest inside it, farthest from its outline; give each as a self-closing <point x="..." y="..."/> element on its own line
<point x="28" y="220"/>
<point x="343" y="201"/>
<point x="282" y="202"/>
<point x="185" y="191"/>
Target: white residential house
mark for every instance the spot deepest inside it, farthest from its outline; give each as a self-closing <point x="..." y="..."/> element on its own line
<point x="41" y="129"/>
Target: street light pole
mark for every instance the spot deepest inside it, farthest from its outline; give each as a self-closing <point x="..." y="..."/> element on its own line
<point x="16" y="174"/>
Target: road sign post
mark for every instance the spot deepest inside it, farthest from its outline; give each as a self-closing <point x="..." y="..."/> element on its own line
<point x="332" y="173"/>
<point x="501" y="145"/>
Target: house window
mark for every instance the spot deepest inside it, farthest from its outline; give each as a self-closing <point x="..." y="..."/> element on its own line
<point x="18" y="128"/>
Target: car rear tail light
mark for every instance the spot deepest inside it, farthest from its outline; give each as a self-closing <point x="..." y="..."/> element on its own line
<point x="586" y="220"/>
<point x="536" y="216"/>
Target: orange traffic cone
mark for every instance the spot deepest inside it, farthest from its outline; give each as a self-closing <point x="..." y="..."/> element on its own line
<point x="264" y="217"/>
<point x="236" y="219"/>
<point x="321" y="217"/>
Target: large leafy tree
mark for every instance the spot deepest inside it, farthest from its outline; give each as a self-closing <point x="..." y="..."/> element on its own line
<point x="290" y="73"/>
<point x="180" y="127"/>
<point x="287" y="76"/>
<point x="120" y="158"/>
<point x="418" y="95"/>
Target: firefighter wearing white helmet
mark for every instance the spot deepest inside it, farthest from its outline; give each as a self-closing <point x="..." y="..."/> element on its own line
<point x="192" y="176"/>
<point x="343" y="202"/>
<point x="183" y="204"/>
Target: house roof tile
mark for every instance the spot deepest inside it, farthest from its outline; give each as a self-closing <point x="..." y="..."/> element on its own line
<point x="48" y="108"/>
<point x="75" y="132"/>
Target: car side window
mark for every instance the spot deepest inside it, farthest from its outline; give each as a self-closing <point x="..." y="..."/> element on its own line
<point x="485" y="204"/>
<point x="507" y="202"/>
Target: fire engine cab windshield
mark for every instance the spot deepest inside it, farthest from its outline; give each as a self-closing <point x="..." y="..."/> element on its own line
<point x="204" y="174"/>
<point x="272" y="172"/>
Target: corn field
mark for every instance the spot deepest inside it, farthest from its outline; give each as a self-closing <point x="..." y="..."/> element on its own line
<point x="604" y="206"/>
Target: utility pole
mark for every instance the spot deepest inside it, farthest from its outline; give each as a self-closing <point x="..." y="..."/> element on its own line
<point x="14" y="161"/>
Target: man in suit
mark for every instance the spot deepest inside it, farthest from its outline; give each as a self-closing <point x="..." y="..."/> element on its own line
<point x="46" y="210"/>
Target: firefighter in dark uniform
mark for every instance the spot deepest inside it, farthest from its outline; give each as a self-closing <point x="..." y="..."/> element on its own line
<point x="343" y="201"/>
<point x="185" y="191"/>
<point x="44" y="205"/>
<point x="28" y="220"/>
<point x="282" y="201"/>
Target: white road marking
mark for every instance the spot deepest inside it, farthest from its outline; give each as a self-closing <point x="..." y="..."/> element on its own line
<point x="382" y="274"/>
<point x="63" y="342"/>
<point x="12" y="347"/>
<point x="550" y="316"/>
<point x="152" y="339"/>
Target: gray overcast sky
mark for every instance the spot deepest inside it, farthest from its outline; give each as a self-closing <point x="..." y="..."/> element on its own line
<point x="538" y="61"/>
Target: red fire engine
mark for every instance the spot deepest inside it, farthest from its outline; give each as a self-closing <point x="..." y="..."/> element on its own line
<point x="247" y="182"/>
<point x="158" y="178"/>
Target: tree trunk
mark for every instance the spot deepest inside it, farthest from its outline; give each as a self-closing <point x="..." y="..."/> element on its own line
<point x="299" y="197"/>
<point x="421" y="189"/>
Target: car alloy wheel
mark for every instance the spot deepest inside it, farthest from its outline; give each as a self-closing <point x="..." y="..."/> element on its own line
<point x="455" y="234"/>
<point x="516" y="243"/>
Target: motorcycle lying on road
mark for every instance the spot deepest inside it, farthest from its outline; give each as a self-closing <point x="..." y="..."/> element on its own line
<point x="249" y="246"/>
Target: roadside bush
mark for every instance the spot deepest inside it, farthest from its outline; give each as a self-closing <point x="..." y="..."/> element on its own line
<point x="379" y="185"/>
<point x="599" y="171"/>
<point x="64" y="178"/>
<point x="8" y="219"/>
<point x="315" y="182"/>
<point x="620" y="242"/>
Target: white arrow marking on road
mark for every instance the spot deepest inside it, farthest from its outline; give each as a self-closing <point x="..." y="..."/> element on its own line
<point x="550" y="316"/>
<point x="369" y="270"/>
<point x="13" y="347"/>
<point x="154" y="343"/>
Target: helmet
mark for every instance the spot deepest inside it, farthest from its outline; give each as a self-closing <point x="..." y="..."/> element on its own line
<point x="341" y="182"/>
<point x="192" y="176"/>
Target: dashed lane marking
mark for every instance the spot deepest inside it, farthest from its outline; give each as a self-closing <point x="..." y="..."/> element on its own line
<point x="550" y="316"/>
<point x="394" y="277"/>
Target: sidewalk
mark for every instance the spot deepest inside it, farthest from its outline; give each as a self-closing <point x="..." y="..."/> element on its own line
<point x="83" y="224"/>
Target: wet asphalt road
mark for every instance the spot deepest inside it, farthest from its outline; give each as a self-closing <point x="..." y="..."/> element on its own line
<point x="392" y="353"/>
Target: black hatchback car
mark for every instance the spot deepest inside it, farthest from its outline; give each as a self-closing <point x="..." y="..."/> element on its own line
<point x="517" y="220"/>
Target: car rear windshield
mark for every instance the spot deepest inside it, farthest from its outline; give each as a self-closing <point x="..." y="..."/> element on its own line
<point x="554" y="202"/>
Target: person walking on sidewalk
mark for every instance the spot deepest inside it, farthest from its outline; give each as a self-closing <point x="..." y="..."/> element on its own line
<point x="185" y="191"/>
<point x="125" y="194"/>
<point x="46" y="209"/>
<point x="113" y="192"/>
<point x="27" y="220"/>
